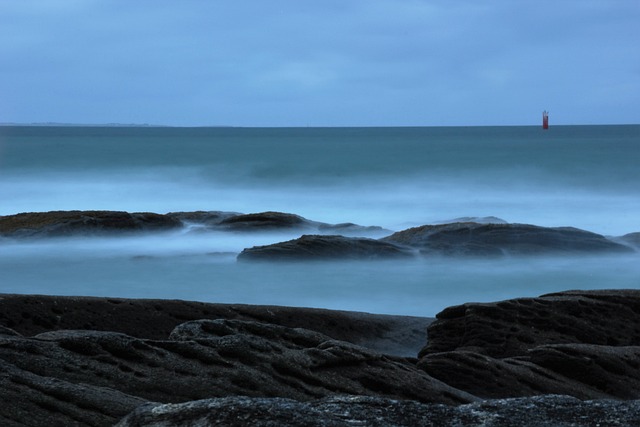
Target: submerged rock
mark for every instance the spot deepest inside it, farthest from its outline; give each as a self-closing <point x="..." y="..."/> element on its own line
<point x="474" y="239"/>
<point x="323" y="247"/>
<point x="343" y="411"/>
<point x="73" y="223"/>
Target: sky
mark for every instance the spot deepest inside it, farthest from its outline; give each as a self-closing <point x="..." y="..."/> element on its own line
<point x="320" y="63"/>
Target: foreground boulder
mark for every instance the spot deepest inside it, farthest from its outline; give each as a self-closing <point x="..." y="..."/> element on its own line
<point x="583" y="343"/>
<point x="344" y="411"/>
<point x="475" y="239"/>
<point x="319" y="247"/>
<point x="70" y="223"/>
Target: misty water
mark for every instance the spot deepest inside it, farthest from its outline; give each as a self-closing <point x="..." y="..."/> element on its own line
<point x="580" y="176"/>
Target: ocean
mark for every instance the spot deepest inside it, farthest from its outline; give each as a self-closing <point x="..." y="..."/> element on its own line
<point x="581" y="176"/>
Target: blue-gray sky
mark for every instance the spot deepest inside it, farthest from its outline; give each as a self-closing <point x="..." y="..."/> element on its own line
<point x="320" y="63"/>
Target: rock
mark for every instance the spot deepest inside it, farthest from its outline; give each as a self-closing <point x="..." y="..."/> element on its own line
<point x="512" y="327"/>
<point x="8" y="331"/>
<point x="351" y="229"/>
<point x="322" y="247"/>
<point x="476" y="219"/>
<point x="580" y="343"/>
<point x="339" y="411"/>
<point x="492" y="378"/>
<point x="608" y="369"/>
<point x="72" y="223"/>
<point x="473" y="239"/>
<point x="30" y="399"/>
<point x="265" y="221"/>
<point x="113" y="373"/>
<point x="155" y="319"/>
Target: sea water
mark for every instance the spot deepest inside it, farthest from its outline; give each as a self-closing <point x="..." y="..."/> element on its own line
<point x="581" y="176"/>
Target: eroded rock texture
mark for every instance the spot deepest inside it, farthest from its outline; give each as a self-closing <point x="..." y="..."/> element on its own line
<point x="570" y="358"/>
<point x="584" y="344"/>
<point x="343" y="411"/>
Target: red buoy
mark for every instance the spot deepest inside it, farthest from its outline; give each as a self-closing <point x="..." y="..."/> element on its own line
<point x="545" y="119"/>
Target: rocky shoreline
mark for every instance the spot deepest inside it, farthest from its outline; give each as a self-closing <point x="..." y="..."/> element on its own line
<point x="569" y="358"/>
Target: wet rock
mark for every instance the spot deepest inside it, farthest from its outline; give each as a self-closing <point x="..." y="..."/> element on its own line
<point x="323" y="247"/>
<point x="346" y="411"/>
<point x="474" y="239"/>
<point x="73" y="223"/>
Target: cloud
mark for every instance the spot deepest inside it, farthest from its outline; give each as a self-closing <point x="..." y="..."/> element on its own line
<point x="291" y="63"/>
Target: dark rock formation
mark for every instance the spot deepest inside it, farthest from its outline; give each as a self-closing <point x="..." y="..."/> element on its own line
<point x="582" y="343"/>
<point x="155" y="319"/>
<point x="70" y="223"/>
<point x="351" y="229"/>
<point x="343" y="411"/>
<point x="512" y="327"/>
<point x="89" y="377"/>
<point x="470" y="238"/>
<point x="265" y="221"/>
<point x="476" y="219"/>
<point x="318" y="247"/>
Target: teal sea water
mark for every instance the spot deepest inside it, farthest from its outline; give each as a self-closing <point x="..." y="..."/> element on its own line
<point x="582" y="176"/>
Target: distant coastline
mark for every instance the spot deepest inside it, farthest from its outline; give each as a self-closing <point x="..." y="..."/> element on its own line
<point x="49" y="124"/>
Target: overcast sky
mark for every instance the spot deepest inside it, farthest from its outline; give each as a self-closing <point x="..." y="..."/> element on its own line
<point x="320" y="63"/>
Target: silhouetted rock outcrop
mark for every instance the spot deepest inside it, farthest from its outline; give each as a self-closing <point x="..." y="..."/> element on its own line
<point x="319" y="247"/>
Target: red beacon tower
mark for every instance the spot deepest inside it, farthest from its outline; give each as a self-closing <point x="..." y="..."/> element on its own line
<point x="545" y="119"/>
